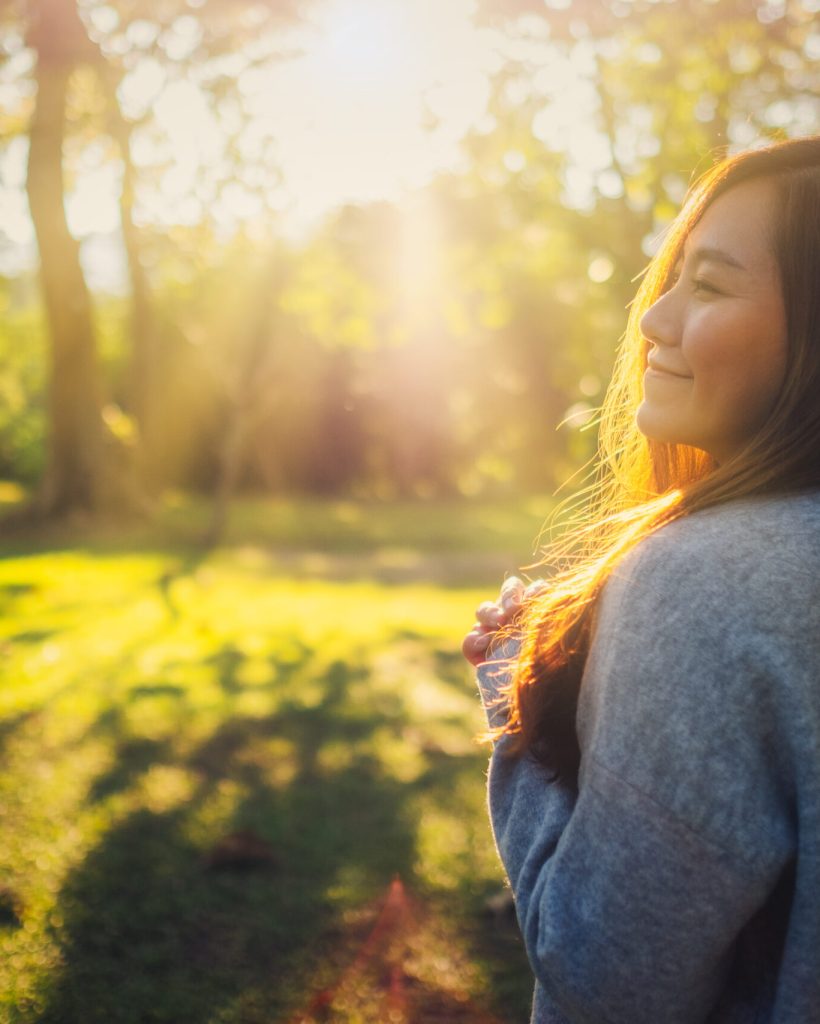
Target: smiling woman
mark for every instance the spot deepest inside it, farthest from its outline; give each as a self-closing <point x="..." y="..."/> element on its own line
<point x="654" y="787"/>
<point x="717" y="336"/>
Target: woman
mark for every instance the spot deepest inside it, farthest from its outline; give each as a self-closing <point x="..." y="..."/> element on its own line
<point x="654" y="786"/>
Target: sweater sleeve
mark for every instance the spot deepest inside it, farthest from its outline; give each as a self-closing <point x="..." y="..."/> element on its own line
<point x="631" y="892"/>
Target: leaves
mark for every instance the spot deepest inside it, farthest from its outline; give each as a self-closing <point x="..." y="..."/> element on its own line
<point x="422" y="346"/>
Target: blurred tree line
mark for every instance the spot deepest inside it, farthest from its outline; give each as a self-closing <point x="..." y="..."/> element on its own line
<point x="426" y="347"/>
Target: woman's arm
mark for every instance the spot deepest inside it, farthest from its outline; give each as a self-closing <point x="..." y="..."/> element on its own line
<point x="628" y="917"/>
<point x="631" y="895"/>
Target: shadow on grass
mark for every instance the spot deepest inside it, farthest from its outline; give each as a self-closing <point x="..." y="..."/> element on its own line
<point x="10" y="592"/>
<point x="152" y="932"/>
<point x="133" y="758"/>
<point x="33" y="636"/>
<point x="9" y="726"/>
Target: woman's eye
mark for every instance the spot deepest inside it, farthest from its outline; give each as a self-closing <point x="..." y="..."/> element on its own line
<point x="699" y="284"/>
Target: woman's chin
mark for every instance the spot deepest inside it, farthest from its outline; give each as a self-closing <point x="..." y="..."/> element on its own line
<point x="651" y="422"/>
<point x="657" y="425"/>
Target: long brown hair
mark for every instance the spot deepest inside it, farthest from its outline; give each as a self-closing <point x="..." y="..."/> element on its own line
<point x="640" y="485"/>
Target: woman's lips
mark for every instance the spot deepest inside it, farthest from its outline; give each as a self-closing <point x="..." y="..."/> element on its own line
<point x="659" y="371"/>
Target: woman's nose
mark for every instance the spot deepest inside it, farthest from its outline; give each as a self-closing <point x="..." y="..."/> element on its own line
<point x="656" y="323"/>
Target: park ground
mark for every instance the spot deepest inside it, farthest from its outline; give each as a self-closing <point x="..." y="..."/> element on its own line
<point x="243" y="784"/>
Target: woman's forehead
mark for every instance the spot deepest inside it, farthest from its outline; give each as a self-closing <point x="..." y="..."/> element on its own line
<point x="738" y="224"/>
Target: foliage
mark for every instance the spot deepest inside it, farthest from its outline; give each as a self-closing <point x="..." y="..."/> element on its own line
<point x="427" y="347"/>
<point x="22" y="386"/>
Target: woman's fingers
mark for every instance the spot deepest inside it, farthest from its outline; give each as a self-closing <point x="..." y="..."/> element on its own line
<point x="512" y="587"/>
<point x="476" y="643"/>
<point x="515" y="594"/>
<point x="489" y="614"/>
<point x="511" y="597"/>
<point x="493" y="615"/>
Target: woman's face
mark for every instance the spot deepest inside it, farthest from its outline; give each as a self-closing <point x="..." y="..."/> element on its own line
<point x="717" y="353"/>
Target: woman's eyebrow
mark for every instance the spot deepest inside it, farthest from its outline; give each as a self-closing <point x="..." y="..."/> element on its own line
<point x="717" y="256"/>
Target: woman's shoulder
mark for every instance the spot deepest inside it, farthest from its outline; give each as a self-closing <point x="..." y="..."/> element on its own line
<point x="771" y="528"/>
<point x="700" y="690"/>
<point x="740" y="558"/>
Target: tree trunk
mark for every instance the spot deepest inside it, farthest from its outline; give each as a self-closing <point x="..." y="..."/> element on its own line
<point x="87" y="469"/>
<point x="75" y="465"/>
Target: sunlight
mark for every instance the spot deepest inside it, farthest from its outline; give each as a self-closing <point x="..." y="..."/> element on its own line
<point x="194" y="141"/>
<point x="92" y="207"/>
<point x="567" y="122"/>
<point x="139" y="89"/>
<point x="372" y="102"/>
<point x="417" y="260"/>
<point x="364" y="40"/>
<point x="377" y="103"/>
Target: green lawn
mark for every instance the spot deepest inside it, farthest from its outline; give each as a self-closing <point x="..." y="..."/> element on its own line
<point x="213" y="764"/>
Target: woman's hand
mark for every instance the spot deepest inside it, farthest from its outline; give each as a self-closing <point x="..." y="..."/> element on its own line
<point x="493" y="615"/>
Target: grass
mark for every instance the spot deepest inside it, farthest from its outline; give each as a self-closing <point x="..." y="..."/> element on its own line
<point x="214" y="765"/>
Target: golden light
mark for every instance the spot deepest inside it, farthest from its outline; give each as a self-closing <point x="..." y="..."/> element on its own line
<point x="372" y="101"/>
<point x="377" y="103"/>
<point x="365" y="41"/>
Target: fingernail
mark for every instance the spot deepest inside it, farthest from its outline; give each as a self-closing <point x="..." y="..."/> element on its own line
<point x="511" y="585"/>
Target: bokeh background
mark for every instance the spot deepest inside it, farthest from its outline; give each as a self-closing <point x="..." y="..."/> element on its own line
<point x="308" y="307"/>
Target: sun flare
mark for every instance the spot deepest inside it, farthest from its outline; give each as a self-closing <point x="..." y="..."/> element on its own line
<point x="364" y="40"/>
<point x="379" y="100"/>
<point x="370" y="101"/>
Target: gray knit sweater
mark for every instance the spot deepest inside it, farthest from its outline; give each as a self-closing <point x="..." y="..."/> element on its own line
<point x="682" y="882"/>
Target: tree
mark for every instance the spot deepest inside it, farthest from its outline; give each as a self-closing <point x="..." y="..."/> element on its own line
<point x="85" y="466"/>
<point x="676" y="84"/>
<point x="80" y="474"/>
<point x="216" y="31"/>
